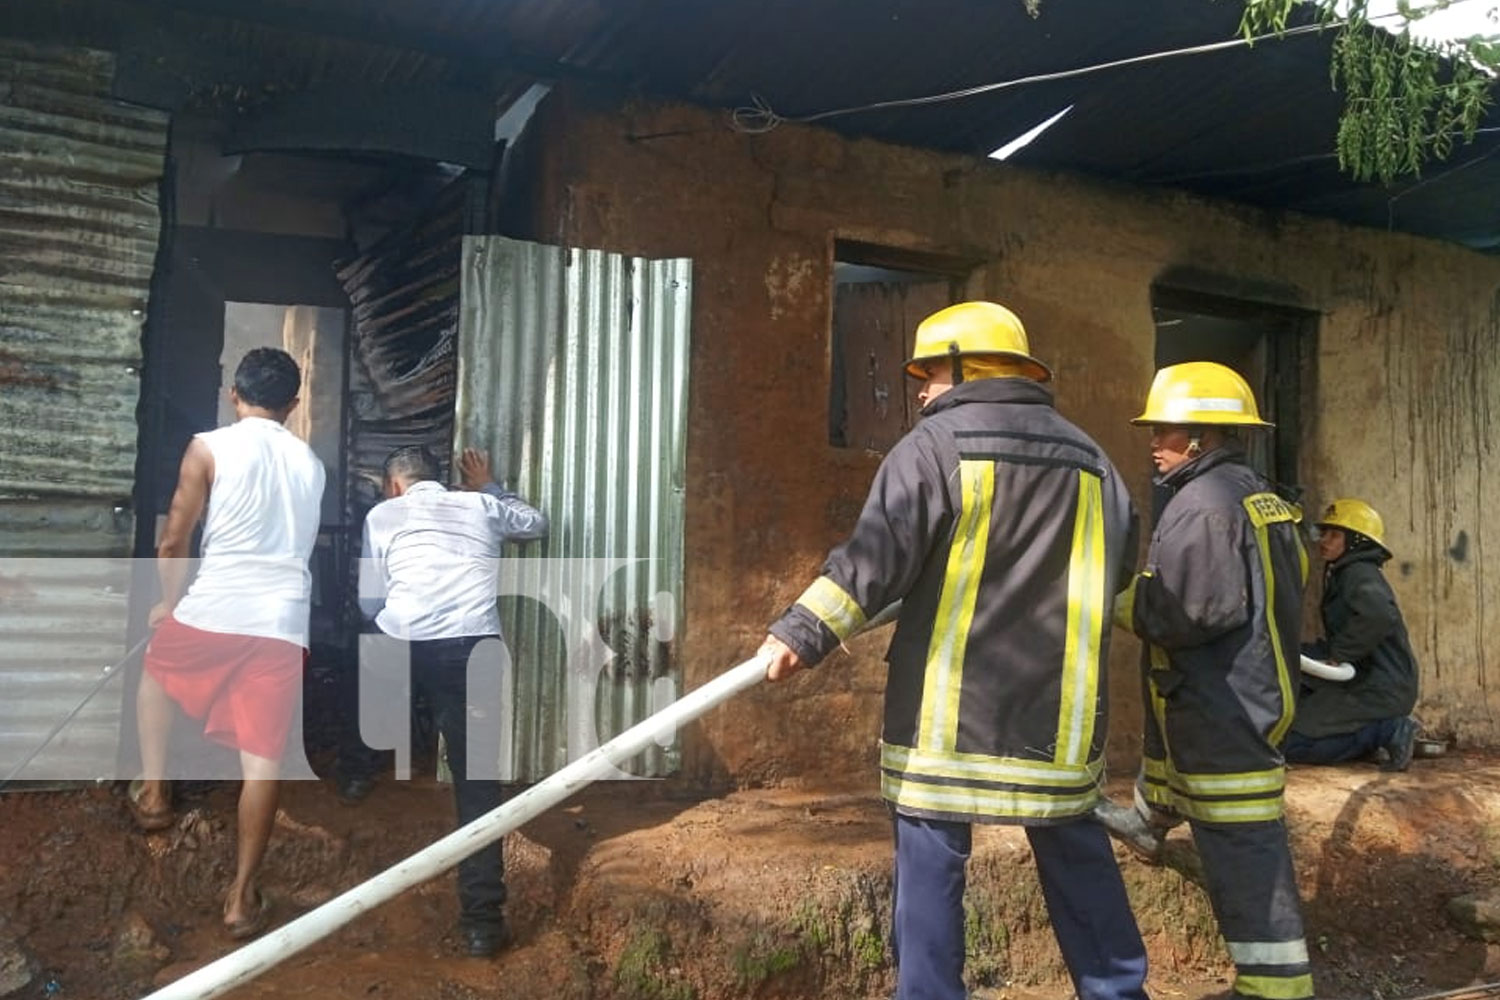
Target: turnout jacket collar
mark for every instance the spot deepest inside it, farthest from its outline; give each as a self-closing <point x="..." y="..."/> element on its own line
<point x="1229" y="451"/>
<point x="990" y="390"/>
<point x="1360" y="555"/>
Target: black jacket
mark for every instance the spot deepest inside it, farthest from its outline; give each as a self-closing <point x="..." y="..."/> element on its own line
<point x="1005" y="529"/>
<point x="1220" y="607"/>
<point x="1363" y="627"/>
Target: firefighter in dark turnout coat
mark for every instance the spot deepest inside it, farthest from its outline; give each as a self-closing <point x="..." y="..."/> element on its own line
<point x="1005" y="530"/>
<point x="1362" y="626"/>
<point x="1219" y="608"/>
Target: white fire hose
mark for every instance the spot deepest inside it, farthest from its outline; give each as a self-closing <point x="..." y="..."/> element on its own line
<point x="241" y="966"/>
<point x="1327" y="671"/>
<point x="276" y="946"/>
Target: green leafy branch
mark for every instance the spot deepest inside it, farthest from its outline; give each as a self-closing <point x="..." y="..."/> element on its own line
<point x="1407" y="101"/>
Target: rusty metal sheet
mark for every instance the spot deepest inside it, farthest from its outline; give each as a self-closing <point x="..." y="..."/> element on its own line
<point x="573" y="373"/>
<point x="79" y="176"/>
<point x="404" y="300"/>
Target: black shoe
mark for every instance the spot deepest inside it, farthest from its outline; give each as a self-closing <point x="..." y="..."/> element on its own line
<point x="354" y="790"/>
<point x="484" y="942"/>
<point x="1130" y="828"/>
<point x="1401" y="746"/>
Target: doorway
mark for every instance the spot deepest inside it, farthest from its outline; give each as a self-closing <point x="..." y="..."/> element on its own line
<point x="1268" y="345"/>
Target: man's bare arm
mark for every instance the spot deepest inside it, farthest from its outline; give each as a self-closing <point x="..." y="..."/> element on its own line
<point x="194" y="479"/>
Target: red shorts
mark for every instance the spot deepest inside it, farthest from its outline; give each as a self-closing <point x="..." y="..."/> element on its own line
<point x="243" y="687"/>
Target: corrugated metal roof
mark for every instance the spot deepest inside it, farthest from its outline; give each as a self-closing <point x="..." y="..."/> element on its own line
<point x="1252" y="125"/>
<point x="78" y="231"/>
<point x="573" y="373"/>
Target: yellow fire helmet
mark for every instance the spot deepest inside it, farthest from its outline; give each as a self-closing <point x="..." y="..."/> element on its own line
<point x="1200" y="392"/>
<point x="974" y="328"/>
<point x="1357" y="516"/>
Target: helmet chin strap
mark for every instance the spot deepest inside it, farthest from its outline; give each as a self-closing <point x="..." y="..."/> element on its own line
<point x="958" y="364"/>
<point x="1195" y="446"/>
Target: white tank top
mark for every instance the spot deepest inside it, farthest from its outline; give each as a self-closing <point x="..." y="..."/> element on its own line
<point x="260" y="528"/>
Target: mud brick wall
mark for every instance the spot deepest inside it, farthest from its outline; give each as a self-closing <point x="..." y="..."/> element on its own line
<point x="1397" y="387"/>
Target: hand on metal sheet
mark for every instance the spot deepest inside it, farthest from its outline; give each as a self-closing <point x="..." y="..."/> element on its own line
<point x="783" y="661"/>
<point x="474" y="468"/>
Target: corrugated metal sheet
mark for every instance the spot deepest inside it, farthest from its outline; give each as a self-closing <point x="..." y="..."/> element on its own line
<point x="79" y="176"/>
<point x="78" y="232"/>
<point x="573" y="373"/>
<point x="62" y="622"/>
<point x="404" y="298"/>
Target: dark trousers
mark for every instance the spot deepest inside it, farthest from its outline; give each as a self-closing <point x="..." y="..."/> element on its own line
<point x="439" y="677"/>
<point x="1252" y="886"/>
<point x="1081" y="883"/>
<point x="1336" y="749"/>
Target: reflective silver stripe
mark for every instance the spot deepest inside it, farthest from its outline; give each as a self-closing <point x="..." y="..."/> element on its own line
<point x="1232" y="784"/>
<point x="1016" y="770"/>
<point x="985" y="801"/>
<point x="1268" y="952"/>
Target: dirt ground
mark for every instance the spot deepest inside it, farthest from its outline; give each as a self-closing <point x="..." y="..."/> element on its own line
<point x="641" y="892"/>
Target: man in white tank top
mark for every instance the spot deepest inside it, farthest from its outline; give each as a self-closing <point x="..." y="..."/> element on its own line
<point x="230" y="651"/>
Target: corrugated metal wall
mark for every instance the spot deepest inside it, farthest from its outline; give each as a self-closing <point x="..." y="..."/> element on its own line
<point x="79" y="180"/>
<point x="573" y="372"/>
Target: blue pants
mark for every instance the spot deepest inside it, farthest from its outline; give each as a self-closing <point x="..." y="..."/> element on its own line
<point x="1336" y="749"/>
<point x="1080" y="882"/>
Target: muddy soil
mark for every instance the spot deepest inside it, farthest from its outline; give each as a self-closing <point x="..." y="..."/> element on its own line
<point x="642" y="891"/>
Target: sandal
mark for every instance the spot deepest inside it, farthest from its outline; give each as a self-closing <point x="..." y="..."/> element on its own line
<point x="249" y="927"/>
<point x="148" y="821"/>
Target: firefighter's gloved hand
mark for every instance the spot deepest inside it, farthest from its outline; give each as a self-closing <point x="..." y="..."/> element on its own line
<point x="784" y="662"/>
<point x="1328" y="671"/>
<point x="1129" y="827"/>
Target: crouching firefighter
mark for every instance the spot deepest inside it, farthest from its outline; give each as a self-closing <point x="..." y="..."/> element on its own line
<point x="1219" y="608"/>
<point x="1007" y="532"/>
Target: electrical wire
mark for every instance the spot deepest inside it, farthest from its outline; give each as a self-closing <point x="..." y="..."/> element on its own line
<point x="759" y="117"/>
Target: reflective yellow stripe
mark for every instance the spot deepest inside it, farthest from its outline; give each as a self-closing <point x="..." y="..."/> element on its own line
<point x="1193" y="795"/>
<point x="833" y="606"/>
<point x="1302" y="558"/>
<point x="1268" y="508"/>
<point x="1159" y="795"/>
<point x="1086" y="596"/>
<point x="1283" y="677"/>
<point x="938" y="729"/>
<point x="1124" y="613"/>
<point x="982" y="767"/>
<point x="969" y="801"/>
<point x="1275" y="987"/>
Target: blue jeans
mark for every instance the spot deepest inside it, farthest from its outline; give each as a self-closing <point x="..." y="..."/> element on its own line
<point x="1336" y="749"/>
<point x="1085" y="896"/>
